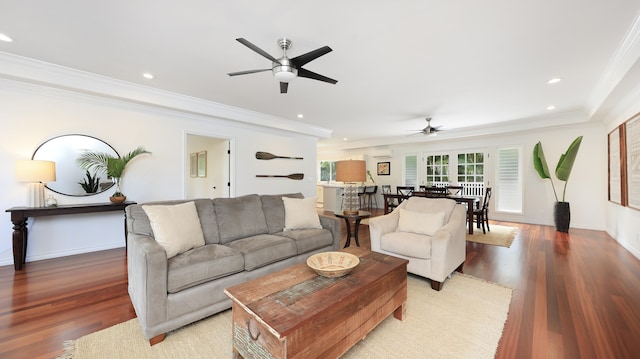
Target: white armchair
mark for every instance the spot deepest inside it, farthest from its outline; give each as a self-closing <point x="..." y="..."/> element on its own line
<point x="429" y="232"/>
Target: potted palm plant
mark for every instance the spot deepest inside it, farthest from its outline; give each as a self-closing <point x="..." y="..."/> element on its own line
<point x="114" y="167"/>
<point x="561" y="209"/>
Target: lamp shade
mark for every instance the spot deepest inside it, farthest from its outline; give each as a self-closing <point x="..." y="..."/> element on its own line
<point x="351" y="171"/>
<point x="35" y="171"/>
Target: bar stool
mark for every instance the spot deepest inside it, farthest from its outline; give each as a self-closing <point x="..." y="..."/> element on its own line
<point x="370" y="196"/>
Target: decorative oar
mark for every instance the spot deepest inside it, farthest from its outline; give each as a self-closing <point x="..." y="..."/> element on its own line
<point x="269" y="156"/>
<point x="293" y="176"/>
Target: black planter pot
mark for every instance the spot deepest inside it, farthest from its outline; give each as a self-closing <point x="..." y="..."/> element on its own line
<point x="562" y="216"/>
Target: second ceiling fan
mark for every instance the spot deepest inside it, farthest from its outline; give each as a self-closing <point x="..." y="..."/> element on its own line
<point x="285" y="69"/>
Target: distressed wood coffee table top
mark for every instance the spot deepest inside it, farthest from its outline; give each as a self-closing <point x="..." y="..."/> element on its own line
<point x="301" y="309"/>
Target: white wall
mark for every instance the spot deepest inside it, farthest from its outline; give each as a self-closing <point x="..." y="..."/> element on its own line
<point x="586" y="190"/>
<point x="623" y="223"/>
<point x="32" y="114"/>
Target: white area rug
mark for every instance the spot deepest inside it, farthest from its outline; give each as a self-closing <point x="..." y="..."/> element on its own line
<point x="464" y="320"/>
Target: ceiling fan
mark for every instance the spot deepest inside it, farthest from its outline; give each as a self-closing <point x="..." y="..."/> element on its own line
<point x="429" y="130"/>
<point x="285" y="69"/>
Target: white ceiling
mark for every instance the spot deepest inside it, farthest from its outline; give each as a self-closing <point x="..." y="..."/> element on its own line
<point x="468" y="64"/>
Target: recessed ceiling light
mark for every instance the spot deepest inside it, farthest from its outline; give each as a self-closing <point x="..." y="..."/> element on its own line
<point x="345" y="139"/>
<point x="300" y="115"/>
<point x="147" y="75"/>
<point x="552" y="107"/>
<point x="554" y="80"/>
<point x="6" y="38"/>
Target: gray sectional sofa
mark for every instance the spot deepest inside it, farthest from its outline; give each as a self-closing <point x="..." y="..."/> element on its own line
<point x="244" y="239"/>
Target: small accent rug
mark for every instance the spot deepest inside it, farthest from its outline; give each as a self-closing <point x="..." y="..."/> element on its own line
<point x="498" y="236"/>
<point x="464" y="320"/>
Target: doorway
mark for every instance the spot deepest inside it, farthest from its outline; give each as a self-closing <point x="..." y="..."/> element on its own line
<point x="208" y="167"/>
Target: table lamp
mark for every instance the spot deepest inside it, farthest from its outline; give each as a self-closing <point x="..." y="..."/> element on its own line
<point x="36" y="173"/>
<point x="351" y="172"/>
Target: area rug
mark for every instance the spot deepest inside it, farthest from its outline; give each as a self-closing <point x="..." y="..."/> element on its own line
<point x="464" y="320"/>
<point x="497" y="236"/>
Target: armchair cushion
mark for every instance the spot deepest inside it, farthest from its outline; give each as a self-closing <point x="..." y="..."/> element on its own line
<point x="407" y="244"/>
<point x="175" y="227"/>
<point x="431" y="205"/>
<point x="420" y="222"/>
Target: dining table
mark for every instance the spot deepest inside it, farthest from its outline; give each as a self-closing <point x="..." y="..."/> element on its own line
<point x="470" y="202"/>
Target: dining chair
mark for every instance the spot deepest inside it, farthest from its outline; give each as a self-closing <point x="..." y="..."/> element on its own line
<point x="481" y="215"/>
<point x="405" y="190"/>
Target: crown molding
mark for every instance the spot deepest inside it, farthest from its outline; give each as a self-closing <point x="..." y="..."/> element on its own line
<point x="27" y="70"/>
<point x="621" y="70"/>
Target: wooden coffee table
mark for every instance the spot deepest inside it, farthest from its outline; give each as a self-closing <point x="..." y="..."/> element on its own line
<point x="295" y="313"/>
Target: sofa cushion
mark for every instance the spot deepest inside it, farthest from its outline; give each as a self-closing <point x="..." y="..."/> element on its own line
<point x="273" y="209"/>
<point x="419" y="222"/>
<point x="430" y="205"/>
<point x="138" y="222"/>
<point x="175" y="227"/>
<point x="201" y="265"/>
<point x="263" y="249"/>
<point x="307" y="240"/>
<point x="239" y="217"/>
<point x="407" y="244"/>
<point x="300" y="213"/>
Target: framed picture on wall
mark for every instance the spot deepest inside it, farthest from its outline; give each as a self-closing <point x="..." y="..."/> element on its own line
<point x="632" y="148"/>
<point x="384" y="168"/>
<point x="193" y="165"/>
<point x="202" y="164"/>
<point x="617" y="166"/>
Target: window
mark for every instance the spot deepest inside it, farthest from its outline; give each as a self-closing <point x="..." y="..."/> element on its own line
<point x="411" y="170"/>
<point x="471" y="167"/>
<point x="327" y="171"/>
<point x="509" y="180"/>
<point x="437" y="168"/>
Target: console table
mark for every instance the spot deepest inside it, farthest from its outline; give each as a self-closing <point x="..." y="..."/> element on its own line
<point x="19" y="216"/>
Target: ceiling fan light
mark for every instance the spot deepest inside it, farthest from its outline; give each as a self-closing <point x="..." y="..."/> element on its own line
<point x="285" y="73"/>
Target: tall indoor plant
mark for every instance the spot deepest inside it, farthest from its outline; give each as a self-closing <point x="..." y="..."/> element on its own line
<point x="113" y="166"/>
<point x="561" y="209"/>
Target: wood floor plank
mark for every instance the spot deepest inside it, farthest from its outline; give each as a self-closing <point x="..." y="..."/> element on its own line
<point x="576" y="296"/>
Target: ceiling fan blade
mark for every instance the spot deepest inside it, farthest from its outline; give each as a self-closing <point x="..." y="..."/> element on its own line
<point x="255" y="48"/>
<point x="247" y="72"/>
<point x="312" y="75"/>
<point x="303" y="59"/>
<point x="283" y="87"/>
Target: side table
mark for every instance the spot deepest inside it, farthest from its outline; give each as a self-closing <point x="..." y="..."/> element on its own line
<point x="356" y="218"/>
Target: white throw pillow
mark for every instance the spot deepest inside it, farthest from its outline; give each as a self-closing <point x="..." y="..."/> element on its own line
<point x="419" y="222"/>
<point x="300" y="213"/>
<point x="175" y="227"/>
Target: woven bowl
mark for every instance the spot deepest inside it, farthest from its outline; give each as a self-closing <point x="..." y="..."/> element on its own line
<point x="333" y="264"/>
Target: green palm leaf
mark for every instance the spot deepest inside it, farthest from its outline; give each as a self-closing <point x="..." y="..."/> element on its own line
<point x="540" y="164"/>
<point x="565" y="163"/>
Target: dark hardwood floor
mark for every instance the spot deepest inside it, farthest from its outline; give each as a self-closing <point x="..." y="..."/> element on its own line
<point x="576" y="295"/>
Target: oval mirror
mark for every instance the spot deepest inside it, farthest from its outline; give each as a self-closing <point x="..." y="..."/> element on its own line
<point x="71" y="179"/>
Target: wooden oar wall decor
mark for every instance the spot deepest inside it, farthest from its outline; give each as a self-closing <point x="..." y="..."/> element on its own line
<point x="269" y="156"/>
<point x="293" y="176"/>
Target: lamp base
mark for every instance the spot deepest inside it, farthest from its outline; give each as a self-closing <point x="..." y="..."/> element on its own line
<point x="35" y="195"/>
<point x="350" y="212"/>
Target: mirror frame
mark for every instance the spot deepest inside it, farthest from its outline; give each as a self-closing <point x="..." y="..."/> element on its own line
<point x="70" y="147"/>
